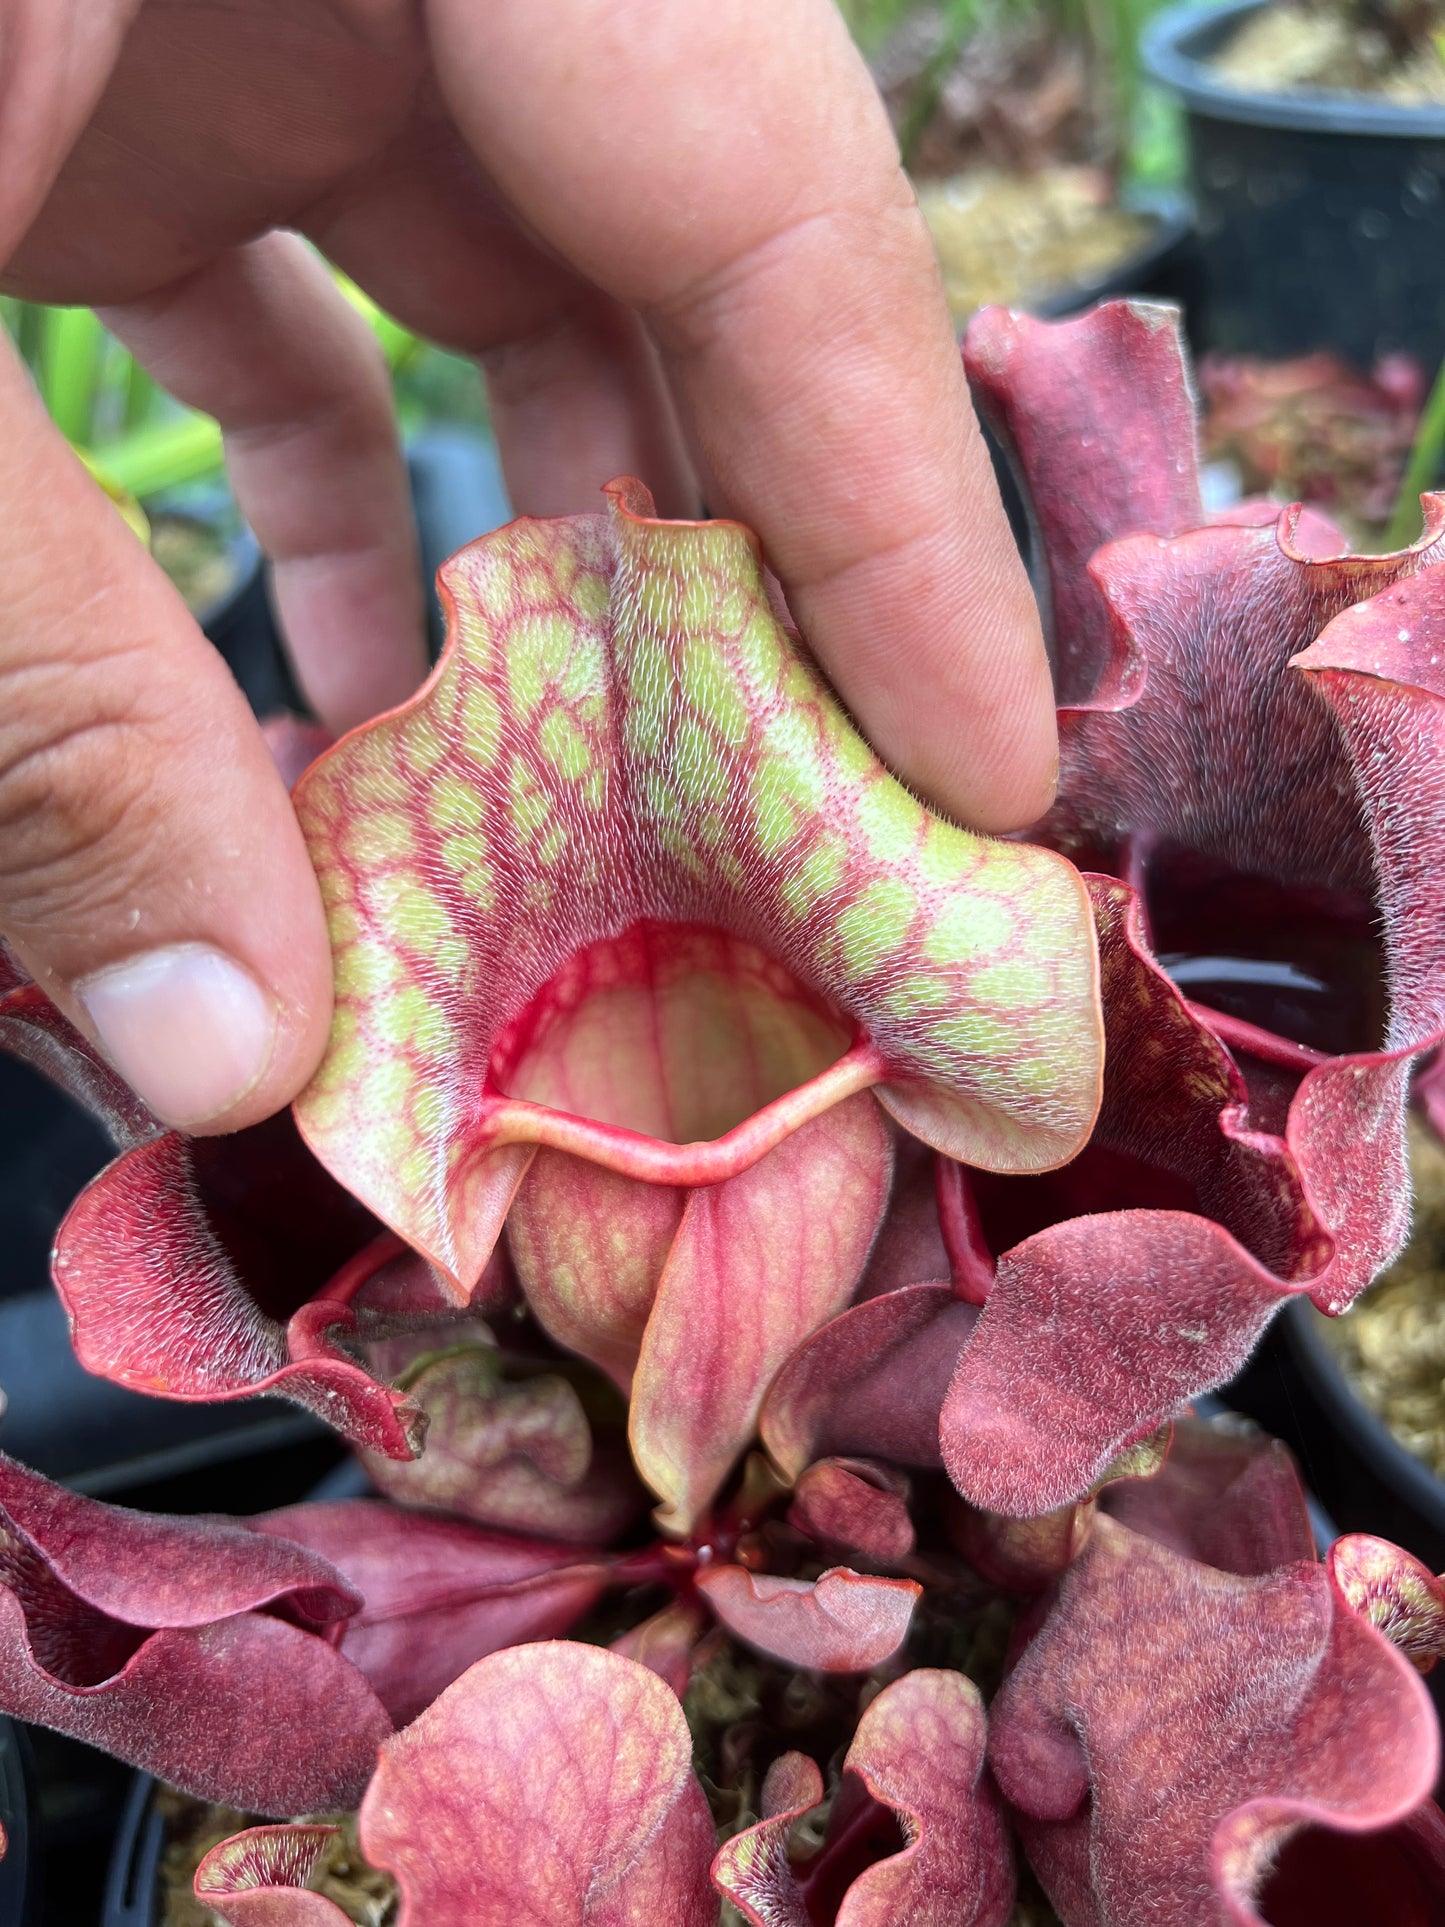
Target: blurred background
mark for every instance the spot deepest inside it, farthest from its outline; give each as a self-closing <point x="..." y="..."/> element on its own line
<point x="1275" y="167"/>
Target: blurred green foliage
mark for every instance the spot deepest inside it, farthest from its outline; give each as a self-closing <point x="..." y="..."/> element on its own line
<point x="141" y="444"/>
<point x="1424" y="470"/>
<point x="1150" y="134"/>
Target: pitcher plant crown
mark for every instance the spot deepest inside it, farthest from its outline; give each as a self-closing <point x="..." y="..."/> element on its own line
<point x="763" y="1243"/>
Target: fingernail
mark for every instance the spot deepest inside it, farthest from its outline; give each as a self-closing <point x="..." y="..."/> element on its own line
<point x="187" y="1028"/>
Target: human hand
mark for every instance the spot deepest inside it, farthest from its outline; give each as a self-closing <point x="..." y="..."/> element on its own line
<point x="678" y="240"/>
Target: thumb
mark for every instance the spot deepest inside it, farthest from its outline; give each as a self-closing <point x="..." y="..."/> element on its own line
<point x="153" y="878"/>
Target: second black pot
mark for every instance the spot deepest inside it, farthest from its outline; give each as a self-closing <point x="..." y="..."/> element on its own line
<point x="1321" y="216"/>
<point x="1408" y="1503"/>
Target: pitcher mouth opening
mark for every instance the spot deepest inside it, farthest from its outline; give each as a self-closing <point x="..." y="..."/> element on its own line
<point x="1303" y="964"/>
<point x="676" y="1034"/>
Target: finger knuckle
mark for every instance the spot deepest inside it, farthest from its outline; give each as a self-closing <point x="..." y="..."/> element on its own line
<point x="76" y="809"/>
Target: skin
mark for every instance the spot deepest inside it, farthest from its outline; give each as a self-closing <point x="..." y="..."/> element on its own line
<point x="677" y="239"/>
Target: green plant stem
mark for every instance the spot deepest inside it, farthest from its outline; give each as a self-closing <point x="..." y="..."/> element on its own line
<point x="1422" y="469"/>
<point x="68" y="369"/>
<point x="168" y="455"/>
<point x="140" y="396"/>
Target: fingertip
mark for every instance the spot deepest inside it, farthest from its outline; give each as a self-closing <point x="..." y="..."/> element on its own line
<point x="189" y="1029"/>
<point x="1020" y="792"/>
<point x="153" y="876"/>
<point x="211" y="1042"/>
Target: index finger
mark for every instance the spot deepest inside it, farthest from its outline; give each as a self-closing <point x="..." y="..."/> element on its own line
<point x="729" y="171"/>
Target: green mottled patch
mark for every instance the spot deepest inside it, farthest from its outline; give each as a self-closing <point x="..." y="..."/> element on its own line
<point x="791" y="740"/>
<point x="384" y="1090"/>
<point x="425" y="747"/>
<point x="915" y="996"/>
<point x="320" y="803"/>
<point x="946" y="855"/>
<point x="591" y="595"/>
<point x="396" y="1017"/>
<point x="346" y="1059"/>
<point x="531" y="806"/>
<point x="553" y="843"/>
<point x="334" y="884"/>
<point x="454" y="805"/>
<point x="417" y="1170"/>
<point x="390" y="1135"/>
<point x="409" y="911"/>
<point x="822" y="867"/>
<point x="852" y="758"/>
<point x="345" y="1022"/>
<point x="700" y="775"/>
<point x="661" y="796"/>
<point x="564" y="745"/>
<point x="475" y="625"/>
<point x="375" y="784"/>
<point x="537" y="650"/>
<point x="719" y="546"/>
<point x="1014" y="983"/>
<point x="365" y="968"/>
<point x="966" y="928"/>
<point x="658" y="600"/>
<point x="730" y="608"/>
<point x="494" y="585"/>
<point x="343" y="923"/>
<point x="1036" y="1075"/>
<point x="428" y="1109"/>
<point x="1003" y="871"/>
<point x="564" y="569"/>
<point x="679" y="846"/>
<point x="326" y="1109"/>
<point x="584" y="672"/>
<point x="378" y="836"/>
<point x="889" y="819"/>
<point x="760" y="652"/>
<point x="463" y="852"/>
<point x="650" y="680"/>
<point x="712" y="689"/>
<point x="452" y="958"/>
<point x="799" y="686"/>
<point x="775" y="822"/>
<point x="699" y="603"/>
<point x="481" y="725"/>
<point x="479" y="887"/>
<point x="875" y="924"/>
<point x="973" y="1033"/>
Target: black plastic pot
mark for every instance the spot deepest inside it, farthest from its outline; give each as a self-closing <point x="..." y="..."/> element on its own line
<point x="1321" y="216"/>
<point x="1166" y="268"/>
<point x="19" y="1883"/>
<point x="133" y="1884"/>
<point x="1413" y="1510"/>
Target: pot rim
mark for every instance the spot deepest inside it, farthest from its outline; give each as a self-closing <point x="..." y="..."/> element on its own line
<point x="1174" y="48"/>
